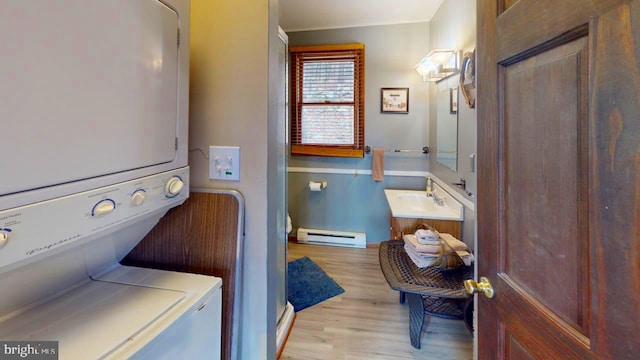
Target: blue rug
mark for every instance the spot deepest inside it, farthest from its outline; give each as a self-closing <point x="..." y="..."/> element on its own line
<point x="309" y="284"/>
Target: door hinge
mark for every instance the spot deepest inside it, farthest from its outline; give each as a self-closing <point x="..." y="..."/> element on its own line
<point x="176" y="144"/>
<point x="178" y="37"/>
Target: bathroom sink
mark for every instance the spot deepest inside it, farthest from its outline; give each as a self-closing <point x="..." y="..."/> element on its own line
<point x="416" y="204"/>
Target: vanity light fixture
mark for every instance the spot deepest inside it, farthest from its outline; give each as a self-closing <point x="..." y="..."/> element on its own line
<point x="438" y="64"/>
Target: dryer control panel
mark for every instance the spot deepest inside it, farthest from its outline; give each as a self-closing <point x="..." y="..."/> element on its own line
<point x="49" y="226"/>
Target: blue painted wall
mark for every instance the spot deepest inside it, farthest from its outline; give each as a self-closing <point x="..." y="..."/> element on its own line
<point x="349" y="203"/>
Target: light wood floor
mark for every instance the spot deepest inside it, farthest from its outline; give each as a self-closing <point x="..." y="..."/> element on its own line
<point x="366" y="321"/>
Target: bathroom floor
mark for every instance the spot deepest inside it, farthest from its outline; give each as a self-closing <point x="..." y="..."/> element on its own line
<point x="367" y="321"/>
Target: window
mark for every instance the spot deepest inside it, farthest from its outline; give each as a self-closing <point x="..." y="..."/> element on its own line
<point x="327" y="97"/>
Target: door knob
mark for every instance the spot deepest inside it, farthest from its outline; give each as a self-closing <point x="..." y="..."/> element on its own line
<point x="484" y="286"/>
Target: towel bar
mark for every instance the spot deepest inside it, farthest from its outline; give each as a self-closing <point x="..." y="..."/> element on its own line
<point x="424" y="150"/>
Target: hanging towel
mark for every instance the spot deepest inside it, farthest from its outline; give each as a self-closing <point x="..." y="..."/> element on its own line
<point x="467" y="257"/>
<point x="454" y="243"/>
<point x="377" y="164"/>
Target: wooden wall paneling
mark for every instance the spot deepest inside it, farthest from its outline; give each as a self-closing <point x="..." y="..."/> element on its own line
<point x="203" y="236"/>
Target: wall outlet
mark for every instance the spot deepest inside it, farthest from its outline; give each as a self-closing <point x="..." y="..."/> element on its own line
<point x="224" y="163"/>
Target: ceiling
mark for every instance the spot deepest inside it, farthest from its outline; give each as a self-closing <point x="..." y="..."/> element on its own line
<point x="299" y="15"/>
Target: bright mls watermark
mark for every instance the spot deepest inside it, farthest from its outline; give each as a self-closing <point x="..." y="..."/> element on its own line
<point x="41" y="350"/>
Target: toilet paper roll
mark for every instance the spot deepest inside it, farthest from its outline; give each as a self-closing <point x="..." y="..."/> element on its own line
<point x="315" y="186"/>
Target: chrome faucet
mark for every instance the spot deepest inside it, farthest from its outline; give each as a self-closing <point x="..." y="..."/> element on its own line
<point x="438" y="200"/>
<point x="463" y="185"/>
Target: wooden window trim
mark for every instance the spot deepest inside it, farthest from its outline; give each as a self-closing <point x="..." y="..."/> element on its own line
<point x="352" y="51"/>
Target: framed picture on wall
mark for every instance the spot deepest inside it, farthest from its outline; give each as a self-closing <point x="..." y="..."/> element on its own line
<point x="394" y="100"/>
<point x="453" y="100"/>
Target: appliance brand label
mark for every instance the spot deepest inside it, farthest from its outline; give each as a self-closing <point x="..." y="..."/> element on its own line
<point x="11" y="216"/>
<point x="49" y="246"/>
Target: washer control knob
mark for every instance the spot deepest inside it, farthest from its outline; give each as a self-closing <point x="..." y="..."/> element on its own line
<point x="4" y="237"/>
<point x="173" y="187"/>
<point x="138" y="197"/>
<point x="104" y="207"/>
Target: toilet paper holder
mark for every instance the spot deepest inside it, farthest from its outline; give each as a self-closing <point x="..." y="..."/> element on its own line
<point x="317" y="185"/>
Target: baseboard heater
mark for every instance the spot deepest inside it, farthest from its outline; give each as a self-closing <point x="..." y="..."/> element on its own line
<point x="332" y="238"/>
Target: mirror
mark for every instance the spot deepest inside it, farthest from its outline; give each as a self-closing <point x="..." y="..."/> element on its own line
<point x="447" y="124"/>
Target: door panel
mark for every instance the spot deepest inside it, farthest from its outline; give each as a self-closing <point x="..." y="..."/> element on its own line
<point x="615" y="226"/>
<point x="527" y="24"/>
<point x="543" y="169"/>
<point x="508" y="3"/>
<point x="559" y="178"/>
<point x="515" y="350"/>
<point x="540" y="331"/>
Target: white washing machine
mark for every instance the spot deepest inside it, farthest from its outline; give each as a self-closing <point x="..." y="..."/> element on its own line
<point x="95" y="128"/>
<point x="62" y="281"/>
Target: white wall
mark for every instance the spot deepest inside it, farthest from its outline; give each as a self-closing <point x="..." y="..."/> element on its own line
<point x="391" y="52"/>
<point x="354" y="202"/>
<point x="229" y="106"/>
<point x="454" y="27"/>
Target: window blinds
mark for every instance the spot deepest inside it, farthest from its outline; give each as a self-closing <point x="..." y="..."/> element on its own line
<point x="328" y="100"/>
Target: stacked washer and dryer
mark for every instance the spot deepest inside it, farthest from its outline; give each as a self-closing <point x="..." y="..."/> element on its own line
<point x="94" y="150"/>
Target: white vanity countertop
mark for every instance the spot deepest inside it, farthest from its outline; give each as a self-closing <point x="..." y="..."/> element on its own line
<point x="416" y="204"/>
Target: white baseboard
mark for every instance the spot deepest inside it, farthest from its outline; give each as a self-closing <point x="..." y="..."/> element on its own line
<point x="284" y="328"/>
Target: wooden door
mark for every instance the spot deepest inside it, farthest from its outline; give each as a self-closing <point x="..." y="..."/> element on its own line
<point x="559" y="178"/>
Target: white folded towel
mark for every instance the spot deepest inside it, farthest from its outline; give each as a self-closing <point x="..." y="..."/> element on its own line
<point x="427" y="237"/>
<point x="420" y="261"/>
<point x="421" y="249"/>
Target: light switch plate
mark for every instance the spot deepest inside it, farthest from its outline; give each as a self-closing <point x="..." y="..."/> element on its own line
<point x="224" y="163"/>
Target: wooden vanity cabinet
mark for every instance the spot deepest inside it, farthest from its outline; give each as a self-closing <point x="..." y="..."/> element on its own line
<point x="401" y="226"/>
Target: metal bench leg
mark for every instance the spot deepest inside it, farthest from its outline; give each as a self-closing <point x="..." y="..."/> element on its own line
<point x="416" y="318"/>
